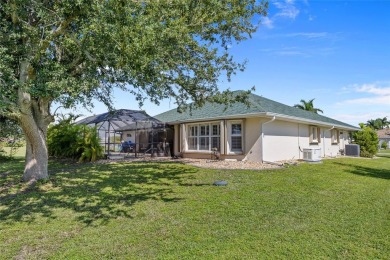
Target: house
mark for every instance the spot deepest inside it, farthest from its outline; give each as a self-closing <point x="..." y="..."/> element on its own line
<point x="383" y="136"/>
<point x="266" y="131"/>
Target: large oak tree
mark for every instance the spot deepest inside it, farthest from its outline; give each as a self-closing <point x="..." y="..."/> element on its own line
<point x="72" y="51"/>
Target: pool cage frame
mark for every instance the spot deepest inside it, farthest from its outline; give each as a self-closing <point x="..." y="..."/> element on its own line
<point x="157" y="137"/>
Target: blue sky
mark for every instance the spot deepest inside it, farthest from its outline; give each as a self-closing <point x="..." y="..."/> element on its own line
<point x="334" y="51"/>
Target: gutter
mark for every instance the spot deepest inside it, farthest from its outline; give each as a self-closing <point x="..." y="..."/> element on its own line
<point x="267" y="114"/>
<point x="262" y="138"/>
<point x="315" y="122"/>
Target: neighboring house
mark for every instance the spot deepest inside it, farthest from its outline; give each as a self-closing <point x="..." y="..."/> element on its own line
<point x="383" y="136"/>
<point x="266" y="131"/>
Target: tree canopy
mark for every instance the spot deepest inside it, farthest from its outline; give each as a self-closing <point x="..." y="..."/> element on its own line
<point x="377" y="124"/>
<point x="308" y="106"/>
<point x="73" y="51"/>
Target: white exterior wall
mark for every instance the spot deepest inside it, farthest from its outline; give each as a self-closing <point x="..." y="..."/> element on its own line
<point x="286" y="140"/>
<point x="281" y="140"/>
<point x="328" y="149"/>
<point x="252" y="139"/>
<point x="131" y="136"/>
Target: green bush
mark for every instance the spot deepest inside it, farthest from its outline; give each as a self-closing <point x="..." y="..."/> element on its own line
<point x="67" y="140"/>
<point x="63" y="140"/>
<point x="384" y="145"/>
<point x="368" y="140"/>
<point x="90" y="145"/>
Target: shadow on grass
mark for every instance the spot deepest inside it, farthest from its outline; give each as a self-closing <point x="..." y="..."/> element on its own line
<point x="95" y="192"/>
<point x="365" y="171"/>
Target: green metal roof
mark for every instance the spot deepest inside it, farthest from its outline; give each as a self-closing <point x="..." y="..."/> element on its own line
<point x="258" y="106"/>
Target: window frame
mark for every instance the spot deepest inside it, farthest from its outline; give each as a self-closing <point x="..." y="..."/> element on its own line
<point x="207" y="133"/>
<point x="335" y="136"/>
<point x="317" y="130"/>
<point x="230" y="135"/>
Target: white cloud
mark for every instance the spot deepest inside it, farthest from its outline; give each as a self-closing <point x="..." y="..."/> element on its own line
<point x="379" y="94"/>
<point x="365" y="101"/>
<point x="289" y="53"/>
<point x="287" y="9"/>
<point x="284" y="9"/>
<point x="355" y="119"/>
<point x="267" y="22"/>
<point x="309" y="35"/>
<point x="300" y="51"/>
<point x="383" y="100"/>
<point x="374" y="88"/>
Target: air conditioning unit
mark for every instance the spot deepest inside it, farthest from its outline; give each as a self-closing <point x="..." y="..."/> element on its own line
<point x="312" y="154"/>
<point x="352" y="150"/>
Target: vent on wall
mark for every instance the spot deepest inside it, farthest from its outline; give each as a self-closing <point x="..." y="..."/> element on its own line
<point x="312" y="154"/>
<point x="352" y="150"/>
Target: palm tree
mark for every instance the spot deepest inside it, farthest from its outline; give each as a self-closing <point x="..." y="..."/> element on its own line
<point x="385" y="122"/>
<point x="379" y="123"/>
<point x="371" y="123"/>
<point x="308" y="106"/>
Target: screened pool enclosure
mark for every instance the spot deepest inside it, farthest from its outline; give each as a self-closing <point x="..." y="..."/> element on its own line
<point x="132" y="132"/>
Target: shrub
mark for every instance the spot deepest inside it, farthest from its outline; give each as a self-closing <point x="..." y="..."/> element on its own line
<point x="67" y="140"/>
<point x="368" y="140"/>
<point x="63" y="140"/>
<point x="384" y="145"/>
<point x="90" y="145"/>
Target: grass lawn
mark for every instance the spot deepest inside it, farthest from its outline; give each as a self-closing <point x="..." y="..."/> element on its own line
<point x="383" y="153"/>
<point x="339" y="209"/>
<point x="20" y="152"/>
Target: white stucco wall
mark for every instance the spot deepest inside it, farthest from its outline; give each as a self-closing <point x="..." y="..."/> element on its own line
<point x="252" y="140"/>
<point x="328" y="149"/>
<point x="282" y="140"/>
<point x="286" y="140"/>
<point x="129" y="136"/>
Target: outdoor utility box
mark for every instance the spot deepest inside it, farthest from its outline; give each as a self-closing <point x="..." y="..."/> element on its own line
<point x="312" y="154"/>
<point x="352" y="150"/>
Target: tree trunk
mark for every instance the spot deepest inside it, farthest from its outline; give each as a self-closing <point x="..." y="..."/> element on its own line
<point x="36" y="155"/>
<point x="34" y="120"/>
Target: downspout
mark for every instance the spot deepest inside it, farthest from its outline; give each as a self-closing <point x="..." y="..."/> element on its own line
<point x="299" y="144"/>
<point x="262" y="137"/>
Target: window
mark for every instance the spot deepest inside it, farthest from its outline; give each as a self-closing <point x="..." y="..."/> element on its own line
<point x="193" y="138"/>
<point x="216" y="137"/>
<point x="236" y="137"/>
<point x="204" y="137"/>
<point x="335" y="136"/>
<point x="315" y="134"/>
